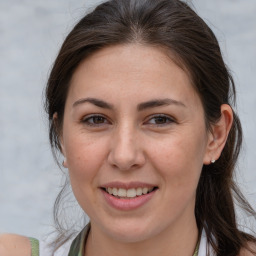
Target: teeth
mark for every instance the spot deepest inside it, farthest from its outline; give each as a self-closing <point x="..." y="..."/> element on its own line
<point x="150" y="190"/>
<point x="129" y="193"/>
<point x="139" y="191"/>
<point x="115" y="191"/>
<point x="121" y="192"/>
<point x="144" y="191"/>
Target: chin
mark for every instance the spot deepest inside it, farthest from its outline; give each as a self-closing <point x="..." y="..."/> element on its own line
<point x="131" y="232"/>
<point x="131" y="236"/>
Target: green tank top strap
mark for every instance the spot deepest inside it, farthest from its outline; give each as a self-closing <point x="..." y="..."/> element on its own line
<point x="197" y="249"/>
<point x="77" y="246"/>
<point x="34" y="243"/>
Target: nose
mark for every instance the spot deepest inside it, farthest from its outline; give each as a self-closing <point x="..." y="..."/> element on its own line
<point x="126" y="151"/>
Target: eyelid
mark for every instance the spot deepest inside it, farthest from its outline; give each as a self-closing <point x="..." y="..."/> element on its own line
<point x="168" y="118"/>
<point x="106" y="121"/>
<point x="88" y="117"/>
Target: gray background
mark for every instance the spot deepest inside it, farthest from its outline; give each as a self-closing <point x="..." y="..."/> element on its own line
<point x="31" y="33"/>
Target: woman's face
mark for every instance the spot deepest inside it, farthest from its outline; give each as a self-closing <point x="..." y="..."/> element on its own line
<point x="133" y="124"/>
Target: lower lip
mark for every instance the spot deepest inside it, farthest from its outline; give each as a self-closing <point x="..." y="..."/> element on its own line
<point x="127" y="204"/>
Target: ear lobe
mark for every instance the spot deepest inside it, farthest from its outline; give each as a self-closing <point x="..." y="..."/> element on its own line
<point x="219" y="134"/>
<point x="64" y="163"/>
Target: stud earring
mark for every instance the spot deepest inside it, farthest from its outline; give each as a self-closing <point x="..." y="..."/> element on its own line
<point x="213" y="161"/>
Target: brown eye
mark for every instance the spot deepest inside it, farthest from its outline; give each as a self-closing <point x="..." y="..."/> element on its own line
<point x="160" y="120"/>
<point x="98" y="120"/>
<point x="95" y="120"/>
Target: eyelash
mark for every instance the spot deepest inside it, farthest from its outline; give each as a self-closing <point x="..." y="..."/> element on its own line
<point x="93" y="117"/>
<point x="168" y="120"/>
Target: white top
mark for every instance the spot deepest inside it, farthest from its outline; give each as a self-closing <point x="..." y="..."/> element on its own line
<point x="44" y="250"/>
<point x="204" y="246"/>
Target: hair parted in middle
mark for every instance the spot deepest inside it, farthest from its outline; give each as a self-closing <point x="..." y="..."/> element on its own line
<point x="174" y="27"/>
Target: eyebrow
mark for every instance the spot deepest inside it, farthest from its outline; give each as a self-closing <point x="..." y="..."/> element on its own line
<point x="96" y="102"/>
<point x="158" y="103"/>
<point x="142" y="106"/>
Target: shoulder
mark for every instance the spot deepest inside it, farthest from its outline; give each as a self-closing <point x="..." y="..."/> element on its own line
<point x="246" y="252"/>
<point x="13" y="245"/>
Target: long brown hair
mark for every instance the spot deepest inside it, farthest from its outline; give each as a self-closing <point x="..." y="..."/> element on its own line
<point x="173" y="25"/>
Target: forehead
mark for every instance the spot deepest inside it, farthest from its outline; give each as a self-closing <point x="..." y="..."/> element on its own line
<point x="134" y="70"/>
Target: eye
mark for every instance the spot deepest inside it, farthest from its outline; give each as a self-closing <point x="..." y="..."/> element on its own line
<point x="95" y="120"/>
<point x="160" y="120"/>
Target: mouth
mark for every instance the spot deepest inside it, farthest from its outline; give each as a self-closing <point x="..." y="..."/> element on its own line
<point x="131" y="193"/>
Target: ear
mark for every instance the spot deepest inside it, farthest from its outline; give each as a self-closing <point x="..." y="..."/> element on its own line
<point x="55" y="121"/>
<point x="218" y="135"/>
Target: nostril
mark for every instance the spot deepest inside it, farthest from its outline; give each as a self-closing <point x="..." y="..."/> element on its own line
<point x="125" y="156"/>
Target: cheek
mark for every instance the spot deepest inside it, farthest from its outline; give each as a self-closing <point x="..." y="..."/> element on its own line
<point x="85" y="156"/>
<point x="179" y="160"/>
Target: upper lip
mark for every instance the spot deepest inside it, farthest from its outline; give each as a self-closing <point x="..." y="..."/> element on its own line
<point x="127" y="185"/>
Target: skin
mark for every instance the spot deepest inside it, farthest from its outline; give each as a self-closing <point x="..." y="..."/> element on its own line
<point x="128" y="144"/>
<point x="12" y="245"/>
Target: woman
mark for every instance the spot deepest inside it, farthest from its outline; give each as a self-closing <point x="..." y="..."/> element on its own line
<point x="139" y="104"/>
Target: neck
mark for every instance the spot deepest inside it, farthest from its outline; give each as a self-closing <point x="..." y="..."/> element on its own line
<point x="169" y="242"/>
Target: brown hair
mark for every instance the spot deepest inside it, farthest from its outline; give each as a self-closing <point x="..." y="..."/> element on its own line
<point x="173" y="25"/>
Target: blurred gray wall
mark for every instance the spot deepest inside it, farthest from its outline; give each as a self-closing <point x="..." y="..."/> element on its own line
<point x="31" y="33"/>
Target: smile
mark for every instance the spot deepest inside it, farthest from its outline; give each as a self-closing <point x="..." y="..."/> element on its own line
<point x="128" y="197"/>
<point x="123" y="193"/>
